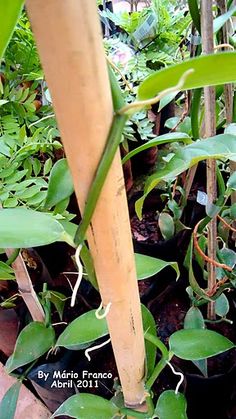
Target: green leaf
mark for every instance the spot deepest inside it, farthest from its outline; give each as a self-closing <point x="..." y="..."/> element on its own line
<point x="222" y="305"/>
<point x="221" y="69"/>
<point x="33" y="341"/>
<point x="171" y="406"/>
<point x="58" y="300"/>
<point x="194" y="320"/>
<point x="60" y="184"/>
<point x="10" y="202"/>
<point x="83" y="331"/>
<point x="147" y="266"/>
<point x="6" y="272"/>
<point x="166" y="225"/>
<point x="219" y="21"/>
<point x="231" y="184"/>
<point x="195" y="344"/>
<point x="162" y="139"/>
<point x="219" y="147"/>
<point x="9" y="401"/>
<point x="47" y="166"/>
<point x="86" y="406"/>
<point x="149" y="326"/>
<point x="21" y="227"/>
<point x="9" y="13"/>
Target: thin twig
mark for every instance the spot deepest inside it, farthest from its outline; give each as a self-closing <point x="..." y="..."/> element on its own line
<point x="120" y="73"/>
<point x="148" y="102"/>
<point x="203" y="255"/>
<point x="226" y="224"/>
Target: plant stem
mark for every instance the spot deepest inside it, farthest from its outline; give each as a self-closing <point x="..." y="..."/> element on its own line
<point x="210" y="128"/>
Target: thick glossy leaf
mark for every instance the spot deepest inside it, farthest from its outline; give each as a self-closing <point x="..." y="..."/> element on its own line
<point x="86" y="406"/>
<point x="9" y="13"/>
<point x="194" y="320"/>
<point x="218" y="147"/>
<point x="221" y="69"/>
<point x="149" y="326"/>
<point x="222" y="305"/>
<point x="166" y="225"/>
<point x="147" y="266"/>
<point x="9" y="401"/>
<point x="60" y="184"/>
<point x="171" y="406"/>
<point x="33" y="341"/>
<point x="195" y="344"/>
<point x="162" y="139"/>
<point x="83" y="331"/>
<point x="21" y="227"/>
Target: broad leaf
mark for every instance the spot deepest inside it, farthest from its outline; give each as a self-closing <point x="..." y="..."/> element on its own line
<point x="195" y="344"/>
<point x="219" y="147"/>
<point x="9" y="401"/>
<point x="194" y="320"/>
<point x="221" y="69"/>
<point x="166" y="225"/>
<point x="33" y="341"/>
<point x="82" y="331"/>
<point x="147" y="266"/>
<point x="60" y="184"/>
<point x="171" y="406"/>
<point x="10" y="11"/>
<point x="21" y="227"/>
<point x="149" y="326"/>
<point x="222" y="305"/>
<point x="86" y="406"/>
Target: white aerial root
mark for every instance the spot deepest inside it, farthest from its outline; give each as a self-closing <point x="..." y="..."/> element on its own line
<point x="106" y="311"/>
<point x="80" y="275"/>
<point x="176" y="373"/>
<point x="86" y="353"/>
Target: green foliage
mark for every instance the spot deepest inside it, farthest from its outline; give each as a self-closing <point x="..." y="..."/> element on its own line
<point x="33" y="341"/>
<point x="81" y="332"/>
<point x="86" y="406"/>
<point x="21" y="227"/>
<point x="9" y="401"/>
<point x="147" y="266"/>
<point x="171" y="406"/>
<point x="195" y="344"/>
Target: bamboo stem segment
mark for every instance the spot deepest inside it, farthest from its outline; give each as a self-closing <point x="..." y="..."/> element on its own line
<point x="25" y="288"/>
<point x="210" y="129"/>
<point x="70" y="46"/>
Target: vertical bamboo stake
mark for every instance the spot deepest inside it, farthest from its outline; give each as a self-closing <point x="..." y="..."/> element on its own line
<point x="210" y="129"/>
<point x="25" y="288"/>
<point x="70" y="46"/>
<point x="228" y="88"/>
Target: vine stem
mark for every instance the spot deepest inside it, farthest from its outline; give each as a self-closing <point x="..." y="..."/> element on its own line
<point x="209" y="131"/>
<point x="211" y="261"/>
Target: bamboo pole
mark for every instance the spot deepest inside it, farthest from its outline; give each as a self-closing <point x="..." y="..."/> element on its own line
<point x="210" y="129"/>
<point x="25" y="287"/>
<point x="70" y="46"/>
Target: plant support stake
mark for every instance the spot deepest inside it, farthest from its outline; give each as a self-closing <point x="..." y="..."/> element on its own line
<point x="209" y="131"/>
<point x="69" y="39"/>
